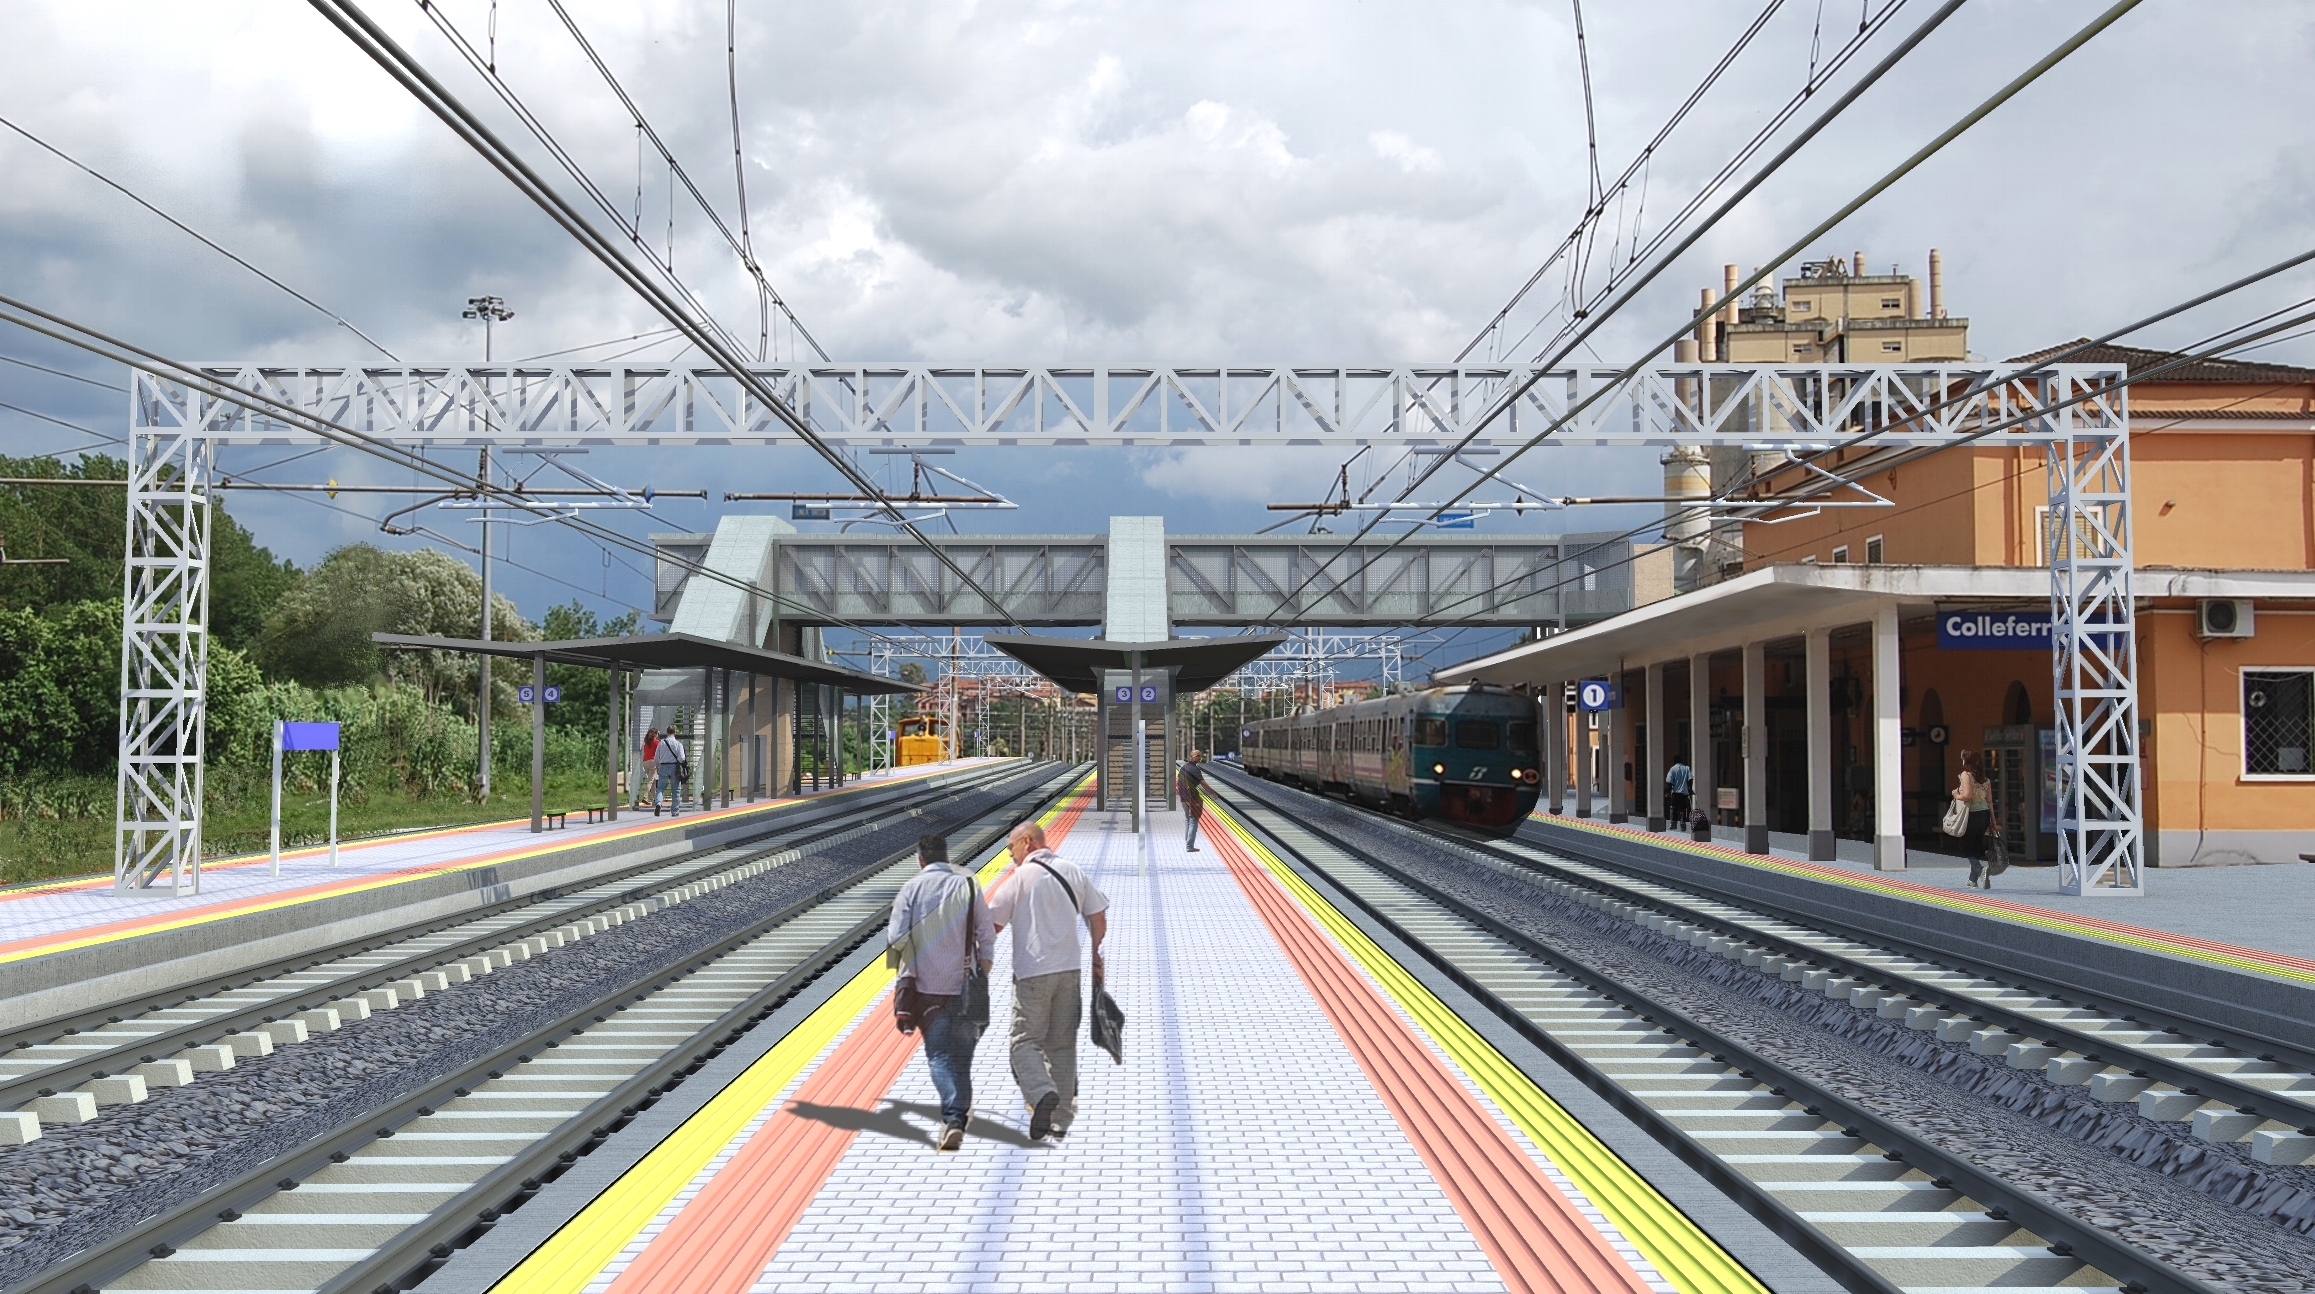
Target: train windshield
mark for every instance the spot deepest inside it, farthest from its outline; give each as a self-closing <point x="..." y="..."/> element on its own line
<point x="1430" y="731"/>
<point x="1477" y="734"/>
<point x="1523" y="736"/>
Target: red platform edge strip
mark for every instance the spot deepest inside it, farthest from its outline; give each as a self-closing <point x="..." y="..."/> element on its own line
<point x="720" y="1241"/>
<point x="1943" y="896"/>
<point x="1529" y="1228"/>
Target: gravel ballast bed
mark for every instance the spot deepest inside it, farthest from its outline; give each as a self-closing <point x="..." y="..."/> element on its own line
<point x="81" y="1185"/>
<point x="2205" y="1207"/>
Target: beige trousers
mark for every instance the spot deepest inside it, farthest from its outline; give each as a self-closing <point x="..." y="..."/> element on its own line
<point x="1045" y="1013"/>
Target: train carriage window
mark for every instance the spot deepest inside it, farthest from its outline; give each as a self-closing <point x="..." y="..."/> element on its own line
<point x="1430" y="731"/>
<point x="1477" y="734"/>
<point x="1522" y="735"/>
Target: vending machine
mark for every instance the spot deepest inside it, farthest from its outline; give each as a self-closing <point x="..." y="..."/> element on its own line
<point x="2021" y="762"/>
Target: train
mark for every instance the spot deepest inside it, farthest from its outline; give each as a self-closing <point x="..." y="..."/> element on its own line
<point x="923" y="739"/>
<point x="1465" y="754"/>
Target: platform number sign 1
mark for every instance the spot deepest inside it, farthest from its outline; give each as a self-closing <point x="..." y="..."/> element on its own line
<point x="1597" y="694"/>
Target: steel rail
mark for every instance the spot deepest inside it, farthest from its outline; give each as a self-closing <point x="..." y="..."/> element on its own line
<point x="2109" y="1253"/>
<point x="65" y="1075"/>
<point x="161" y="1235"/>
<point x="411" y="1256"/>
<point x="2187" y="1078"/>
<point x="1781" y="1219"/>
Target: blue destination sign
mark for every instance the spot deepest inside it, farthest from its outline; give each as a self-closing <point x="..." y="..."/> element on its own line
<point x="309" y="736"/>
<point x="1993" y="630"/>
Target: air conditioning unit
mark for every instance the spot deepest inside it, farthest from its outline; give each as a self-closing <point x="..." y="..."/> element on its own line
<point x="2223" y="618"/>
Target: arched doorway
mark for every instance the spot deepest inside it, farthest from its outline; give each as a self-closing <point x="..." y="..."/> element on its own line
<point x="1929" y="784"/>
<point x="2018" y="706"/>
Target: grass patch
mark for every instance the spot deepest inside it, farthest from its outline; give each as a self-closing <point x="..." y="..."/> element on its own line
<point x="44" y="848"/>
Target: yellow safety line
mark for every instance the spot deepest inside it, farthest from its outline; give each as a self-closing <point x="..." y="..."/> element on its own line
<point x="2152" y="941"/>
<point x="582" y="1247"/>
<point x="415" y="872"/>
<point x="1690" y="1259"/>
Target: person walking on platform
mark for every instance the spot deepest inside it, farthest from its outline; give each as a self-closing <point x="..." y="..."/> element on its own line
<point x="648" y="780"/>
<point x="1190" y="790"/>
<point x="939" y="934"/>
<point x="669" y="761"/>
<point x="1972" y="789"/>
<point x="1042" y="903"/>
<point x="1678" y="782"/>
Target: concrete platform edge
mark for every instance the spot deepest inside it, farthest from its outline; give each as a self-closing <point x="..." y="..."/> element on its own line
<point x="478" y="1267"/>
<point x="78" y="979"/>
<point x="1763" y="1252"/>
<point x="2242" y="1001"/>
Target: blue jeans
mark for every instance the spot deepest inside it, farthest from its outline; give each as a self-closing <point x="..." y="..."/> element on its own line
<point x="666" y="783"/>
<point x="948" y="1052"/>
<point x="1190" y="816"/>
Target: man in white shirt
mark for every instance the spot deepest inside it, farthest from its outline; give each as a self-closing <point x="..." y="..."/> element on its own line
<point x="1043" y="902"/>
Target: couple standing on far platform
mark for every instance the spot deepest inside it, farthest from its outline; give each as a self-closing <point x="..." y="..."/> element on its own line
<point x="942" y="938"/>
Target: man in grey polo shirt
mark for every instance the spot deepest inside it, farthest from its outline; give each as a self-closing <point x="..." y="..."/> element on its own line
<point x="1043" y="902"/>
<point x="938" y="922"/>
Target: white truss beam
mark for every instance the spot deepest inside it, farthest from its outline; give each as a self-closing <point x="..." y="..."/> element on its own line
<point x="912" y="404"/>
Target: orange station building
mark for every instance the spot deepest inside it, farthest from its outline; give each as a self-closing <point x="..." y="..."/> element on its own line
<point x="1830" y="715"/>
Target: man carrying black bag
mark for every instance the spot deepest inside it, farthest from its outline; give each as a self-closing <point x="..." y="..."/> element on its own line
<point x="1043" y="903"/>
<point x="941" y="940"/>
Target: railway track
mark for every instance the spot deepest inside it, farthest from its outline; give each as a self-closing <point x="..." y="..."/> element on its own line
<point x="262" y="1002"/>
<point x="651" y="991"/>
<point x="1878" y="1198"/>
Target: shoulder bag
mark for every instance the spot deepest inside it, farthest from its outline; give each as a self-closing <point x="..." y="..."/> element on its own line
<point x="1956" y="819"/>
<point x="974" y="1001"/>
<point x="1104" y="1019"/>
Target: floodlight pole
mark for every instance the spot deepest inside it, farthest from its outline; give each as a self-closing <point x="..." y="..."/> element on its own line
<point x="538" y="744"/>
<point x="482" y="698"/>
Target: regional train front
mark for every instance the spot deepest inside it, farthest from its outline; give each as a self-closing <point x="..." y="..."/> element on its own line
<point x="1478" y="747"/>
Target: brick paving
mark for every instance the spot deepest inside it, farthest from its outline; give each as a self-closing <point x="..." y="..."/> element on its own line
<point x="1239" y="1147"/>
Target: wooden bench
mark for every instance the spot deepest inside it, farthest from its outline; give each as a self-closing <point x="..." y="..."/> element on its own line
<point x="557" y="819"/>
<point x="596" y="813"/>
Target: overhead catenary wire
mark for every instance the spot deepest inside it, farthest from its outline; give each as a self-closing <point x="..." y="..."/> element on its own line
<point x="373" y="40"/>
<point x="1503" y="403"/>
<point x="196" y="235"/>
<point x="2211" y="347"/>
<point x="60" y="328"/>
<point x="109" y="386"/>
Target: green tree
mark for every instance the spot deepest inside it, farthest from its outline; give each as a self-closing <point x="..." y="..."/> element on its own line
<point x="585" y="691"/>
<point x="85" y="525"/>
<point x="319" y="632"/>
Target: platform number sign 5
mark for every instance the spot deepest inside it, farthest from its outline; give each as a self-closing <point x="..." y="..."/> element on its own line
<point x="527" y="694"/>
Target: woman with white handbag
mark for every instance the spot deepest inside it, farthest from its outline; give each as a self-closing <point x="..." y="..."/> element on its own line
<point x="1970" y="815"/>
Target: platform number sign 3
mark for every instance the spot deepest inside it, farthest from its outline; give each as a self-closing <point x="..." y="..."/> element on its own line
<point x="1125" y="694"/>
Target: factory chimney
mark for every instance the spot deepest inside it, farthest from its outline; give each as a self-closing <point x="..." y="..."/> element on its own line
<point x="1705" y="350"/>
<point x="1936" y="284"/>
<point x="1859" y="272"/>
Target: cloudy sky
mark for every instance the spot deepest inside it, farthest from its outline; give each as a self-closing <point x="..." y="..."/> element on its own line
<point x="1038" y="180"/>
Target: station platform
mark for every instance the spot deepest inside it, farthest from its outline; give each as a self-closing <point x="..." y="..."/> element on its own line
<point x="2229" y="940"/>
<point x="1294" y="1112"/>
<point x="74" y="933"/>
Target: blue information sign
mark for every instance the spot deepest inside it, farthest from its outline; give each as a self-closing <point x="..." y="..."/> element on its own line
<point x="1597" y="694"/>
<point x="309" y="736"/>
<point x="1149" y="694"/>
<point x="1125" y="695"/>
<point x="1458" y="521"/>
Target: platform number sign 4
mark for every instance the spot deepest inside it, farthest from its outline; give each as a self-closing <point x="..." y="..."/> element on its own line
<point x="527" y="694"/>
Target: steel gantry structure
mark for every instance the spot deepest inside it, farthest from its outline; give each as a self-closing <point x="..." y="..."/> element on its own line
<point x="2077" y="412"/>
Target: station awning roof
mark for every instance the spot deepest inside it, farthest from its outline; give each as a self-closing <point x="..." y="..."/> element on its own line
<point x="1075" y="664"/>
<point x="1787" y="600"/>
<point x="663" y="651"/>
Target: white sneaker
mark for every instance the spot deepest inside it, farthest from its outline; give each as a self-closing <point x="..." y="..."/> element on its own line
<point x="951" y="1139"/>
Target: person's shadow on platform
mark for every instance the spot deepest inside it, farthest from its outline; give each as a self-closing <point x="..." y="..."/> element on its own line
<point x="891" y="1119"/>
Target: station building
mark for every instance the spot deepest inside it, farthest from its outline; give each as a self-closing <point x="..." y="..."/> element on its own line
<point x="1822" y="672"/>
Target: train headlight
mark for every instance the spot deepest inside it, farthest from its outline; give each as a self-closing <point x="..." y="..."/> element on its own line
<point x="1515" y="775"/>
<point x="1533" y="776"/>
<point x="1439" y="770"/>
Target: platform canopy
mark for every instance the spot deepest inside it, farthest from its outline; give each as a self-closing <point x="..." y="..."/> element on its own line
<point x="663" y="651"/>
<point x="1075" y="664"/>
